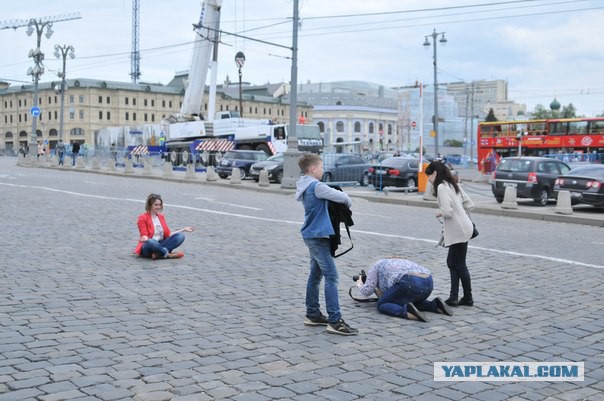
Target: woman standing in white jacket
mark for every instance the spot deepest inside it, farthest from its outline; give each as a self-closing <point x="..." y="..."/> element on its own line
<point x="453" y="207"/>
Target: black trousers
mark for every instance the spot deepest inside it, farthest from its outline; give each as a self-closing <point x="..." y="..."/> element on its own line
<point x="456" y="262"/>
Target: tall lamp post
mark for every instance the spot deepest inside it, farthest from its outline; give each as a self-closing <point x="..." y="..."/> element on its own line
<point x="240" y="61"/>
<point x="62" y="52"/>
<point x="443" y="41"/>
<point x="36" y="71"/>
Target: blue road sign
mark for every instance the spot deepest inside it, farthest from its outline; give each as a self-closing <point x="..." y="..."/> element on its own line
<point x="35" y="111"/>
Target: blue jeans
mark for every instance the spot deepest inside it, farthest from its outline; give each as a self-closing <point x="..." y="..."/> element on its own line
<point x="162" y="247"/>
<point x="61" y="158"/>
<point x="322" y="264"/>
<point x="410" y="289"/>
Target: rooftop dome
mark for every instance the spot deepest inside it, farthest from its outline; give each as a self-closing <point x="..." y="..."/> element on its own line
<point x="555" y="104"/>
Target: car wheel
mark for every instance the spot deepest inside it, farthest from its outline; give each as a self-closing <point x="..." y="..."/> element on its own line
<point x="242" y="173"/>
<point x="411" y="182"/>
<point x="279" y="177"/>
<point x="326" y="177"/>
<point x="223" y="176"/>
<point x="499" y="199"/>
<point x="541" y="200"/>
<point x="364" y="181"/>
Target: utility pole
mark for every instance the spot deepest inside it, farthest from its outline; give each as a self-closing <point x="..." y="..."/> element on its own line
<point x="291" y="171"/>
<point x="135" y="56"/>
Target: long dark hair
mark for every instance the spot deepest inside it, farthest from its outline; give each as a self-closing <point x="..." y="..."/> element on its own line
<point x="442" y="174"/>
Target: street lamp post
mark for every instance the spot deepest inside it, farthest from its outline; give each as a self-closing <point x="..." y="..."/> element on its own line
<point x="36" y="71"/>
<point x="442" y="40"/>
<point x="240" y="61"/>
<point x="62" y="52"/>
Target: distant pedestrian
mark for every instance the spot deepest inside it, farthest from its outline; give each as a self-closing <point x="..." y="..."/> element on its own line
<point x="156" y="240"/>
<point x="60" y="151"/>
<point x="453" y="205"/>
<point x="316" y="230"/>
<point x="75" y="149"/>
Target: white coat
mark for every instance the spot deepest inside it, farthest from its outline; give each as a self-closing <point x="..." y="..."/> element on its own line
<point x="453" y="207"/>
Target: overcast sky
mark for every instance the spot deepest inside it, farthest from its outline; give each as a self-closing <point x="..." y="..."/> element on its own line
<point x="544" y="48"/>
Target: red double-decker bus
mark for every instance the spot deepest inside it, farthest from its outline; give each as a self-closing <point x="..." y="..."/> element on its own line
<point x="577" y="138"/>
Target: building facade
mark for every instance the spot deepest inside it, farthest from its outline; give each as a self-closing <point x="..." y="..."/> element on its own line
<point x="90" y="105"/>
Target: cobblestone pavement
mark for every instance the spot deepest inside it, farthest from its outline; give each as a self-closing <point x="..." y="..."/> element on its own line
<point x="82" y="319"/>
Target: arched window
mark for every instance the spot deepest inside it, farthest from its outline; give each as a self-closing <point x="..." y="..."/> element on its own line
<point x="321" y="126"/>
<point x="371" y="128"/>
<point x="339" y="149"/>
<point x="357" y="127"/>
<point x="389" y="129"/>
<point x="76" y="131"/>
<point x="340" y="127"/>
<point x="23" y="134"/>
<point x="8" y="135"/>
<point x="381" y="128"/>
<point x="52" y="132"/>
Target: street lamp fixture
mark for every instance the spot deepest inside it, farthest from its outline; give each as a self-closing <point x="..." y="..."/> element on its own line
<point x="36" y="54"/>
<point x="434" y="35"/>
<point x="62" y="52"/>
<point x="240" y="61"/>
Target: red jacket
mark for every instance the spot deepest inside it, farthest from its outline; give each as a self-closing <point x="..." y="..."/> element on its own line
<point x="145" y="227"/>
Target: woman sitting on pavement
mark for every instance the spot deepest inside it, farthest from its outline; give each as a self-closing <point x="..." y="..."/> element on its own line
<point x="156" y="240"/>
<point x="403" y="288"/>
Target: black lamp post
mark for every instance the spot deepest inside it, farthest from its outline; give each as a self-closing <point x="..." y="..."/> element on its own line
<point x="240" y="61"/>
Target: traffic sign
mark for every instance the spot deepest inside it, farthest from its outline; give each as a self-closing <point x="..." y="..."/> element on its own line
<point x="35" y="111"/>
<point x="413" y="124"/>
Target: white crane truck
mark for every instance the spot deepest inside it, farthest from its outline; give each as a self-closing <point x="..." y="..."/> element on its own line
<point x="189" y="132"/>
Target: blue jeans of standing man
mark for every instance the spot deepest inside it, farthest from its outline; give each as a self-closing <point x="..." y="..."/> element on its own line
<point x="322" y="264"/>
<point x="162" y="247"/>
<point x="410" y="289"/>
<point x="61" y="158"/>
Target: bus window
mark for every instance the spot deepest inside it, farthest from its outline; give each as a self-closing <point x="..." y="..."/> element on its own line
<point x="596" y="127"/>
<point x="558" y="128"/>
<point x="577" y="127"/>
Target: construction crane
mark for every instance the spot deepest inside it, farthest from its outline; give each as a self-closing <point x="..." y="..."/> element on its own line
<point x="135" y="55"/>
<point x="17" y="23"/>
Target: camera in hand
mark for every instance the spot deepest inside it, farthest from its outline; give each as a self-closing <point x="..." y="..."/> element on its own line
<point x="363" y="276"/>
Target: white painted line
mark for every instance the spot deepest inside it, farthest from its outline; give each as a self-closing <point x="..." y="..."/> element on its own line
<point x="372" y="233"/>
<point x="228" y="204"/>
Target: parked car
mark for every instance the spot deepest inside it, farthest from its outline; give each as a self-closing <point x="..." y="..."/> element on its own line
<point x="585" y="184"/>
<point x="273" y="165"/>
<point x="454" y="158"/>
<point x="533" y="177"/>
<point x="341" y="167"/>
<point x="241" y="159"/>
<point x="394" y="172"/>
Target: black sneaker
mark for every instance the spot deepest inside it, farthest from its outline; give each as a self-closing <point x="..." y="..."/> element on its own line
<point x="342" y="328"/>
<point x="466" y="302"/>
<point x="320" y="320"/>
<point x="442" y="307"/>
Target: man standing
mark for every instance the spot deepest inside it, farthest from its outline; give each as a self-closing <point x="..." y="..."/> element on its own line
<point x="60" y="151"/>
<point x="75" y="149"/>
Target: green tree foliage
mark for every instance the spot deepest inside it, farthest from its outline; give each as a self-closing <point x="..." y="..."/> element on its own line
<point x="491" y="116"/>
<point x="541" y="112"/>
<point x="453" y="143"/>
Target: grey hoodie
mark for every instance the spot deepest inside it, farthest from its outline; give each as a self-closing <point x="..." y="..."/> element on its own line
<point x="322" y="191"/>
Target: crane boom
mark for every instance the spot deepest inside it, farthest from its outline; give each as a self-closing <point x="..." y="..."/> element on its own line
<point x="17" y="23"/>
<point x="205" y="32"/>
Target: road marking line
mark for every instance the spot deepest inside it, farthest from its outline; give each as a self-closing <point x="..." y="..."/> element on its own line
<point x="244" y="216"/>
<point x="228" y="204"/>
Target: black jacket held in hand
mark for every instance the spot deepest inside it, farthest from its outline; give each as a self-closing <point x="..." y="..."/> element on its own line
<point x="339" y="214"/>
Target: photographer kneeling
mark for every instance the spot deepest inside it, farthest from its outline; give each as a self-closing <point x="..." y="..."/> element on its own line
<point x="403" y="288"/>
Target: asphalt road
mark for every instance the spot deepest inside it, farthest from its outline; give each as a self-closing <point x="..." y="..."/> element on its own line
<point x="82" y="319"/>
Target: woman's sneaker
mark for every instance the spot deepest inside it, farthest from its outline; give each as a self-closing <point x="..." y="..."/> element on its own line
<point x="320" y="320"/>
<point x="342" y="328"/>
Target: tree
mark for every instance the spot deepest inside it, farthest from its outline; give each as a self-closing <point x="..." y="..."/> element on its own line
<point x="540" y="112"/>
<point x="491" y="116"/>
<point x="569" y="111"/>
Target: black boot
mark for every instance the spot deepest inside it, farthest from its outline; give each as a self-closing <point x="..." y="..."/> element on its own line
<point x="466" y="301"/>
<point x="452" y="301"/>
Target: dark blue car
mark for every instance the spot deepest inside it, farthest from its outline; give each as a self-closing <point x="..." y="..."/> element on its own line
<point x="240" y="159"/>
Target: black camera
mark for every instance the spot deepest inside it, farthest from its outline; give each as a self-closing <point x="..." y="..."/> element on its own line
<point x="363" y="276"/>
